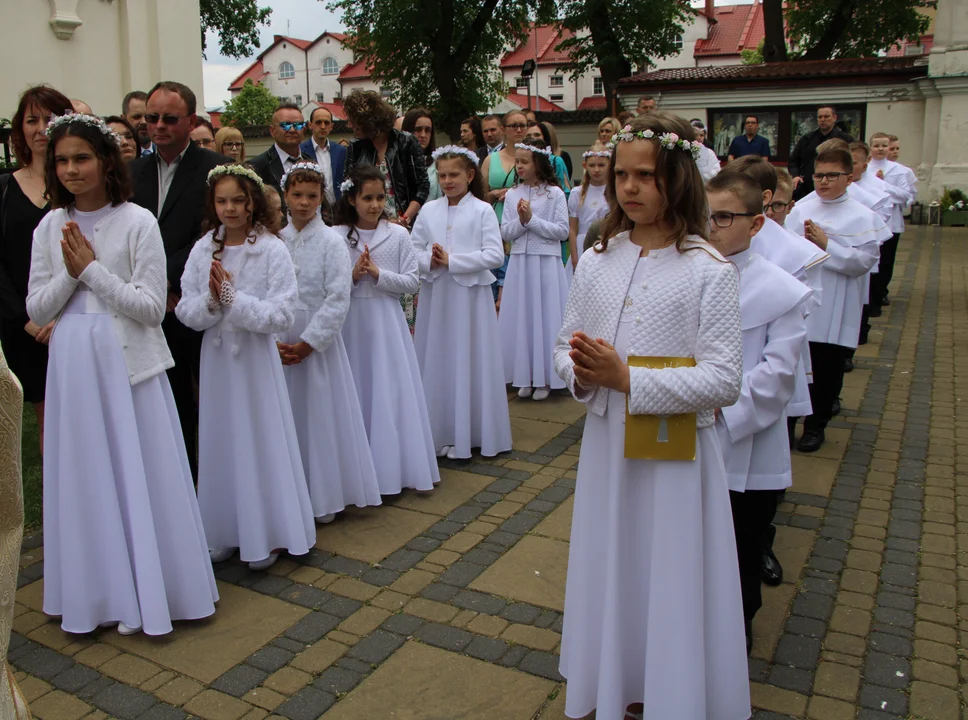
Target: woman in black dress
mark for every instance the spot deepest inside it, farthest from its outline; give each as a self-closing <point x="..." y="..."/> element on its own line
<point x="23" y="204"/>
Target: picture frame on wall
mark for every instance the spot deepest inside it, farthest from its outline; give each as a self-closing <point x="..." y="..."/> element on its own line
<point x="728" y="124"/>
<point x="804" y="122"/>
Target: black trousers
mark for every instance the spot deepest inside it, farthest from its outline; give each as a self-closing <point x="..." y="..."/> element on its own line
<point x="885" y="270"/>
<point x="186" y="349"/>
<point x="753" y="513"/>
<point x="828" y="381"/>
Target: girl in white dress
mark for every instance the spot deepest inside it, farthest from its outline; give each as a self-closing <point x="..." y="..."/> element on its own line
<point x="653" y="621"/>
<point x="458" y="242"/>
<point x="378" y="342"/>
<point x="332" y="439"/>
<point x="239" y="287"/>
<point x="588" y="204"/>
<point x="535" y="222"/>
<point x="123" y="539"/>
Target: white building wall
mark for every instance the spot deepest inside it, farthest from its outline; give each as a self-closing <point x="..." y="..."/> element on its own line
<point x="321" y="84"/>
<point x="273" y="61"/>
<point x="106" y="49"/>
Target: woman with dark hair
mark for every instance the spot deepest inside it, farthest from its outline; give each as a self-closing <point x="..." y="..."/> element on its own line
<point x="543" y="132"/>
<point x="472" y="136"/>
<point x="23" y="204"/>
<point x="395" y="153"/>
<point x="129" y="141"/>
<point x="420" y="123"/>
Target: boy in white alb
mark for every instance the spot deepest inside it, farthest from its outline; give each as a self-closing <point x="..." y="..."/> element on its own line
<point x="752" y="432"/>
<point x="851" y="234"/>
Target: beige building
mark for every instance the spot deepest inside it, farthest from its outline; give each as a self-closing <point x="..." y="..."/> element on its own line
<point x="98" y="50"/>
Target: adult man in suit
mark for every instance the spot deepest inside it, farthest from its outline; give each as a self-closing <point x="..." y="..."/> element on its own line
<point x="805" y="153"/>
<point x="287" y="130"/>
<point x="330" y="156"/>
<point x="173" y="184"/>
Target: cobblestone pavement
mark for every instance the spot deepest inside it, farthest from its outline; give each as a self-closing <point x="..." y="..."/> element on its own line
<point x="449" y="605"/>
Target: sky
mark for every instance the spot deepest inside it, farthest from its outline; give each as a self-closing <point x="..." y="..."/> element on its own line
<point x="299" y="18"/>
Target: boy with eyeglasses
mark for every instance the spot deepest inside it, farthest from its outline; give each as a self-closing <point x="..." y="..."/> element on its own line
<point x="851" y="235"/>
<point x="752" y="432"/>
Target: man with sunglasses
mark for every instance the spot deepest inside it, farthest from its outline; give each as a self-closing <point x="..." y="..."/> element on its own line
<point x="171" y="183"/>
<point x="288" y="129"/>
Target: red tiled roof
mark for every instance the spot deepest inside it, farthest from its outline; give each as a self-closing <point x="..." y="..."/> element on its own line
<point x="538" y="103"/>
<point x="256" y="72"/>
<point x="336" y="109"/>
<point x="215" y="117"/>
<point x="356" y="71"/>
<point x="540" y="45"/>
<point x="926" y="42"/>
<point x="737" y="28"/>
<point x="767" y="73"/>
<point x="301" y="44"/>
<point x="592" y="102"/>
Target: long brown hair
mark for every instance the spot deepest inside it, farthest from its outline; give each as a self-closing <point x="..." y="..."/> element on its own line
<point x="117" y="182"/>
<point x="256" y="204"/>
<point x="476" y="187"/>
<point x="45" y="98"/>
<point x="345" y="213"/>
<point x="677" y="178"/>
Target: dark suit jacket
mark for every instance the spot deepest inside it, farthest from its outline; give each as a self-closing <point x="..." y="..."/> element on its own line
<point x="337" y="159"/>
<point x="181" y="218"/>
<point x="269" y="166"/>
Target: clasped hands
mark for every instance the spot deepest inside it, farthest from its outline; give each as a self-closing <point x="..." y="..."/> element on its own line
<point x="294" y="354"/>
<point x="439" y="257"/>
<point x="524" y="211"/>
<point x="220" y="285"/>
<point x="78" y="253"/>
<point x="598" y="364"/>
<point x="365" y="266"/>
<point x="815" y="234"/>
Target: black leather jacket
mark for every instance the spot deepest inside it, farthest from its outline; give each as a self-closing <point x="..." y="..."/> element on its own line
<point x="405" y="161"/>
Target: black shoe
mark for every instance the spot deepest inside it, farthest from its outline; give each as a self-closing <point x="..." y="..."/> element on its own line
<point x="849" y="365"/>
<point x="792" y="430"/>
<point x="811" y="441"/>
<point x="771" y="572"/>
<point x="749" y="643"/>
<point x="862" y="338"/>
<point x="874" y="311"/>
<point x="835" y="408"/>
<point x="885" y="301"/>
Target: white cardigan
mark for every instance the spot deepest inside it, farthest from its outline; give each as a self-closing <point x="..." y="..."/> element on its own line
<point x="390" y="250"/>
<point x="324" y="276"/>
<point x="128" y="274"/>
<point x="548" y="226"/>
<point x="475" y="241"/>
<point x="265" y="288"/>
<point x="693" y="311"/>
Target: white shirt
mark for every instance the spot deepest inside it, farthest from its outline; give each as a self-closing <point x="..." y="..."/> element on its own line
<point x="325" y="161"/>
<point x="166" y="173"/>
<point x="287" y="160"/>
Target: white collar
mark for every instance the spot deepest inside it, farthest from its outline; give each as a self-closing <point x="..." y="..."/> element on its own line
<point x="176" y="160"/>
<point x="283" y="156"/>
<point x="836" y="201"/>
<point x="317" y="147"/>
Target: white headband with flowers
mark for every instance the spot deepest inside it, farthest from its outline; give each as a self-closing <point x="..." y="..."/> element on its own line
<point x="669" y="141"/>
<point x="91" y="120"/>
<point x="305" y="165"/>
<point x="240" y="170"/>
<point x="345" y="186"/>
<point x="596" y="153"/>
<point x="455" y="150"/>
<point x="524" y="146"/>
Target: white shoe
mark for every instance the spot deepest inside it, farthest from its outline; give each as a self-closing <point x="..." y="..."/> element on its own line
<point x="326" y="519"/>
<point x="444" y="450"/>
<point x="218" y="555"/>
<point x="452" y="453"/>
<point x="541" y="393"/>
<point x="264" y="564"/>
<point x="525" y="392"/>
<point x="127" y="629"/>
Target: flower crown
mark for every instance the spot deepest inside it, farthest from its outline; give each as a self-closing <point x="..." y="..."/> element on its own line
<point x="221" y="170"/>
<point x="91" y="120"/>
<point x="596" y="153"/>
<point x="305" y="165"/>
<point x="345" y="186"/>
<point x="455" y="150"/>
<point x="524" y="146"/>
<point x="669" y="141"/>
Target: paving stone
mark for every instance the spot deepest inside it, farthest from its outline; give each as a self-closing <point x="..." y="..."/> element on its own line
<point x="381" y="577"/>
<point x="377" y="647"/>
<point x="542" y="664"/>
<point x="486" y="648"/>
<point x="891" y="644"/>
<point x="44" y="663"/>
<point x="887" y="670"/>
<point x="123" y="702"/>
<point x="75" y="678"/>
<point x="444" y="636"/>
<point x="521" y="613"/>
<point x="89" y="691"/>
<point x="806" y="626"/>
<point x="934" y="702"/>
<point x="337" y="681"/>
<point x="306" y="596"/>
<point x="884" y="699"/>
<point x="307" y="704"/>
<point x="461" y="574"/>
<point x="797" y="651"/>
<point x="479" y="602"/>
<point x="271" y="585"/>
<point x="312" y="627"/>
<point x="269" y="659"/>
<point x="342" y="607"/>
<point x="287" y="680"/>
<point x="402" y="624"/>
<point x="439" y="592"/>
<point x="239" y="680"/>
<point x="402" y="560"/>
<point x="791" y="678"/>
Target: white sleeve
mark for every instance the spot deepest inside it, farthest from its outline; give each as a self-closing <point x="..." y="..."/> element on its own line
<point x="274" y="313"/>
<point x="47" y="293"/>
<point x="852" y="261"/>
<point x="572" y="323"/>
<point x="491" y="252"/>
<point x="337" y="274"/>
<point x="556" y="229"/>
<point x="407" y="281"/>
<point x="422" y="247"/>
<point x="192" y="309"/>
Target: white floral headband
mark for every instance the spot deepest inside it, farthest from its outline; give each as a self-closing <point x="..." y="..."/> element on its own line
<point x="345" y="186"/>
<point x="596" y="153"/>
<point x="669" y="141"/>
<point x="308" y="166"/>
<point x="455" y="150"/>
<point x="544" y="151"/>
<point x="241" y="170"/>
<point x="91" y="120"/>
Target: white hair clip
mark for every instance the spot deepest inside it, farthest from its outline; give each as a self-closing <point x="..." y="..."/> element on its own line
<point x="346" y="186"/>
<point x="455" y="150"/>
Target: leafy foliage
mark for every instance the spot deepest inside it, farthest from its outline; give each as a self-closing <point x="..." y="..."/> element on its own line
<point x="954" y="199"/>
<point x="753" y="57"/>
<point x="252" y="106"/>
<point x="237" y="24"/>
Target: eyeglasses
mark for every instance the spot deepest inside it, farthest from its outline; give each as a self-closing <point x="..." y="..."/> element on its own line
<point x="204" y="142"/>
<point x="517" y="126"/>
<point x="290" y="126"/>
<point x="232" y="144"/>
<point x="725" y="219"/>
<point x="829" y="177"/>
<point x="155" y="118"/>
<point x="776" y="207"/>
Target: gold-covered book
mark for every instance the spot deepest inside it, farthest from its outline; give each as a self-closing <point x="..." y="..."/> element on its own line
<point x="651" y="437"/>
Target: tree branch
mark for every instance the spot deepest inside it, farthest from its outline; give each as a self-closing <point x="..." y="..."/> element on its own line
<point x="836" y="28"/>
<point x="774" y="47"/>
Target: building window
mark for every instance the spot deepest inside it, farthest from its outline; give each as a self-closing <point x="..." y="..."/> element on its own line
<point x="287" y="71"/>
<point x="386" y="92"/>
<point x="319" y="97"/>
<point x="677" y="42"/>
<point x="521" y="82"/>
<point x="283" y="99"/>
<point x="556" y="81"/>
<point x="598" y="86"/>
<point x="298" y="100"/>
<point x="330" y="66"/>
<point x="556" y="98"/>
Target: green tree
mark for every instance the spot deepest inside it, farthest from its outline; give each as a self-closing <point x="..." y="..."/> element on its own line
<point x="252" y="106"/>
<point x="614" y="36"/>
<point x="237" y="24"/>
<point x="823" y="29"/>
<point x="443" y="55"/>
<point x="755" y="56"/>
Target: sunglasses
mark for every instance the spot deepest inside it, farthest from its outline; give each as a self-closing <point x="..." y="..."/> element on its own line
<point x="155" y="118"/>
<point x="290" y="126"/>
